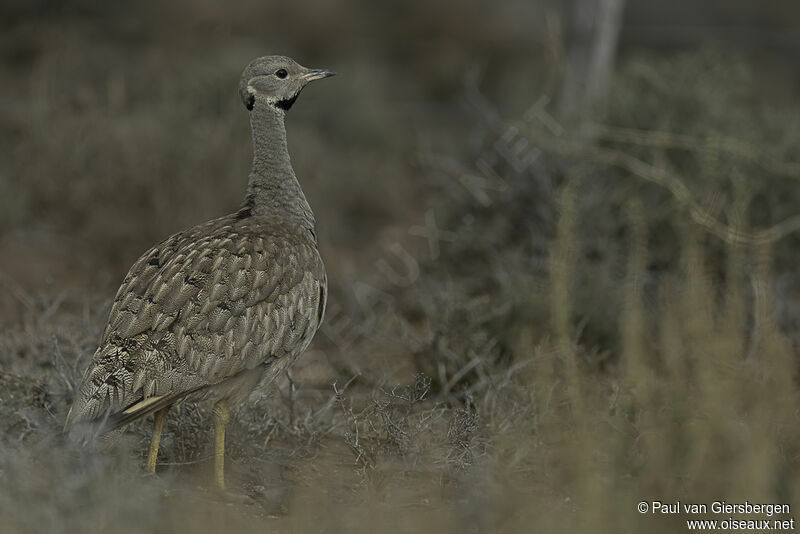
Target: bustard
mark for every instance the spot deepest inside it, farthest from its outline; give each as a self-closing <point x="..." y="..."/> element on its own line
<point x="211" y="311"/>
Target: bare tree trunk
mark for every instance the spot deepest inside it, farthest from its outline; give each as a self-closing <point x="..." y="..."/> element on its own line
<point x="590" y="61"/>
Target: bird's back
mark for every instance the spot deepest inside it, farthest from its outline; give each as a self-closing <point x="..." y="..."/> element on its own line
<point x="204" y="306"/>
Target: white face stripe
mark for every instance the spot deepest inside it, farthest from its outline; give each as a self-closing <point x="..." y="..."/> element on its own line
<point x="253" y="92"/>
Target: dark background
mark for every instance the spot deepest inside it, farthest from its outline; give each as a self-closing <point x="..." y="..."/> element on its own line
<point x="120" y="121"/>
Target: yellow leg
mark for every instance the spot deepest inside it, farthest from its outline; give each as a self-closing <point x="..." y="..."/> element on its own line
<point x="221" y="417"/>
<point x="158" y="426"/>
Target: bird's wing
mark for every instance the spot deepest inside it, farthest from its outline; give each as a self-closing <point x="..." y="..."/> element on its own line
<point x="199" y="308"/>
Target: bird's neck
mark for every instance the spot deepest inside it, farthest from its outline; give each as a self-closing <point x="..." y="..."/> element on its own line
<point x="273" y="188"/>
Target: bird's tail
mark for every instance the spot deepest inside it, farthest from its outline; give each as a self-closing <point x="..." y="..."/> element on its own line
<point x="83" y="430"/>
<point x="143" y="408"/>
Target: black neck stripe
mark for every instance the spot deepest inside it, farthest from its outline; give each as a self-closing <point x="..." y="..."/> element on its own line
<point x="285" y="104"/>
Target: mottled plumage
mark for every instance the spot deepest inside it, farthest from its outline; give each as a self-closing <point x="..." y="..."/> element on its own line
<point x="226" y="297"/>
<point x="211" y="311"/>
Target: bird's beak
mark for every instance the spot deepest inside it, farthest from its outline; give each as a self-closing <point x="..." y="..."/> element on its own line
<point x="317" y="74"/>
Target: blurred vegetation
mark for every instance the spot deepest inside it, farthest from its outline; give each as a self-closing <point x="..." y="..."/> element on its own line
<point x="606" y="315"/>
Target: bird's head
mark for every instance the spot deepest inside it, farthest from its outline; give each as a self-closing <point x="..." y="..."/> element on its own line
<point x="276" y="81"/>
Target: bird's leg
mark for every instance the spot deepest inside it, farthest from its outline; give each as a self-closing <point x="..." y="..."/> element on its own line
<point x="221" y="417"/>
<point x="158" y="426"/>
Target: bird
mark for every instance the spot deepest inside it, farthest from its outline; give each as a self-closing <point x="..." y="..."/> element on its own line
<point x="213" y="311"/>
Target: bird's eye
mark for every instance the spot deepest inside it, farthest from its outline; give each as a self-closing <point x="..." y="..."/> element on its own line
<point x="281" y="73"/>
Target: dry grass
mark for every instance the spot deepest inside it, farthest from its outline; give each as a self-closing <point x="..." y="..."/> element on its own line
<point x="692" y="409"/>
